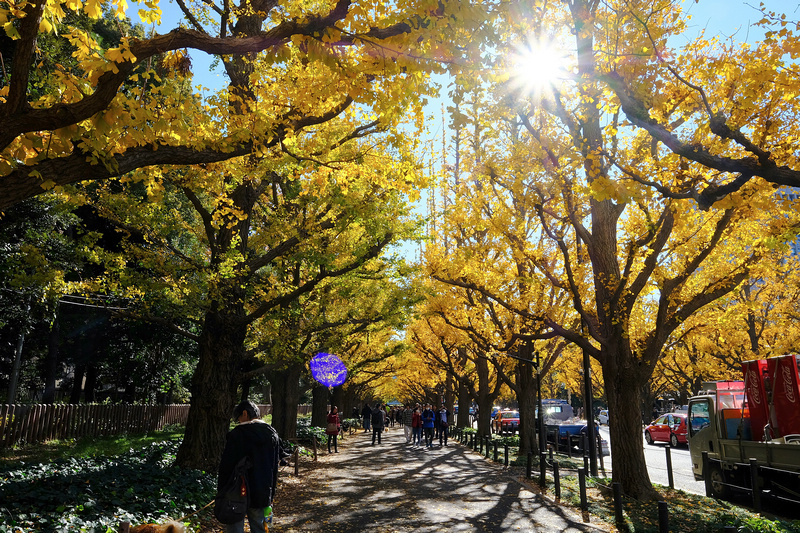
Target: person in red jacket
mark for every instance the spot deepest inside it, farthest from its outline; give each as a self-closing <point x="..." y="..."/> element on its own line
<point x="333" y="429"/>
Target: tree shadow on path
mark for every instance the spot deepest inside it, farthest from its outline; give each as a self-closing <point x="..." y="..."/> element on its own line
<point x="396" y="487"/>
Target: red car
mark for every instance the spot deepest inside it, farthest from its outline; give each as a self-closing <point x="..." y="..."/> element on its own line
<point x="506" y="421"/>
<point x="667" y="428"/>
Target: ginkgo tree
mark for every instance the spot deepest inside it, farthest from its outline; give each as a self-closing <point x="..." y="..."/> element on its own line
<point x="631" y="264"/>
<point x="112" y="110"/>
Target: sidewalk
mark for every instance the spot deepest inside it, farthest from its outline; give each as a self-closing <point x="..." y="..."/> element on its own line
<point x="393" y="487"/>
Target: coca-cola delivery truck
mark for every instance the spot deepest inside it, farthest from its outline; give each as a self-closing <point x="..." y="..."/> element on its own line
<point x="756" y="418"/>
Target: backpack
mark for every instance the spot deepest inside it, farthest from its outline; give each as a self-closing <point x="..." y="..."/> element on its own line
<point x="377" y="417"/>
<point x="230" y="506"/>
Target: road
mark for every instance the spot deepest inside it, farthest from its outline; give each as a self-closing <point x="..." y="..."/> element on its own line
<point x="656" y="458"/>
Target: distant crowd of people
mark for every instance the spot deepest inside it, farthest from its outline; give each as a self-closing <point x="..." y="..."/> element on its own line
<point x="421" y="423"/>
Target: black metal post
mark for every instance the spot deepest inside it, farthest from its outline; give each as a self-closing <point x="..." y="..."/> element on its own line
<point x="557" y="480"/>
<point x="542" y="470"/>
<point x="529" y="466"/>
<point x="587" y="396"/>
<point x="582" y="484"/>
<point x="663" y="517"/>
<point x="668" y="451"/>
<point x="505" y="454"/>
<point x="707" y="474"/>
<point x="540" y="413"/>
<point x="617" y="490"/>
<point x="495" y="452"/>
<point x="754" y="485"/>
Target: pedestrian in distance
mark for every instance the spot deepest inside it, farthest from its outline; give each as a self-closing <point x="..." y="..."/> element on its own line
<point x="428" y="420"/>
<point x="443" y="417"/>
<point x="408" y="416"/>
<point x="378" y="423"/>
<point x="416" y="426"/>
<point x="333" y="429"/>
<point x="259" y="443"/>
<point x="366" y="414"/>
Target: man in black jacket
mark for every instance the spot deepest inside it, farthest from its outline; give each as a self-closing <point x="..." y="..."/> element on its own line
<point x="259" y="442"/>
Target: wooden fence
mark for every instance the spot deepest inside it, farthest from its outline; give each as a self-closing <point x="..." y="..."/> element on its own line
<point x="27" y="424"/>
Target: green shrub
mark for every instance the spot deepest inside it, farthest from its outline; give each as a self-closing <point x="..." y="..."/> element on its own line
<point x="98" y="493"/>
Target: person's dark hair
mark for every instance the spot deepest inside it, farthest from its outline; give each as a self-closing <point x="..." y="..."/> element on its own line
<point x="251" y="408"/>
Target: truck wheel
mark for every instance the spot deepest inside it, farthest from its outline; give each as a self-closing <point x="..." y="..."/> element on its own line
<point x="648" y="438"/>
<point x="718" y="487"/>
<point x="673" y="440"/>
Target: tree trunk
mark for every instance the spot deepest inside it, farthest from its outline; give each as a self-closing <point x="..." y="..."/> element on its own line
<point x="51" y="364"/>
<point x="464" y="403"/>
<point x="14" y="379"/>
<point x="77" y="384"/>
<point x="285" y="399"/>
<point x="623" y="387"/>
<point x="526" y="396"/>
<point x="337" y="398"/>
<point x="214" y="392"/>
<point x="319" y="406"/>
<point x="485" y="397"/>
<point x="91" y="384"/>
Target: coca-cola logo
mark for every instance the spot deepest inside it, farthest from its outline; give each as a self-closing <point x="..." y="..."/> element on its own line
<point x="786" y="373"/>
<point x="752" y="389"/>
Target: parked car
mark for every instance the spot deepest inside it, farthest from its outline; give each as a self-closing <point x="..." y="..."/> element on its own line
<point x="602" y="417"/>
<point x="506" y="421"/>
<point x="670" y="427"/>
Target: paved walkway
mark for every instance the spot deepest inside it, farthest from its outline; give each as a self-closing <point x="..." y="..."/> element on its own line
<point x="394" y="487"/>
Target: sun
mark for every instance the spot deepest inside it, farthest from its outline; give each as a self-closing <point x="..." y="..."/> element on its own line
<point x="537" y="67"/>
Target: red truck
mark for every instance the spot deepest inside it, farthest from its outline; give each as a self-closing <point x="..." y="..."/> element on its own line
<point x="756" y="418"/>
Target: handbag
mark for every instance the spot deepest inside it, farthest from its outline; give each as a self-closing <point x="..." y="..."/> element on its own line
<point x="332" y="428"/>
<point x="231" y="503"/>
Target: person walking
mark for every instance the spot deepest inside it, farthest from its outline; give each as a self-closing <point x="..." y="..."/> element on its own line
<point x="443" y="417"/>
<point x="378" y="423"/>
<point x="259" y="443"/>
<point x="333" y="429"/>
<point x="416" y="426"/>
<point x="428" y="419"/>
<point x="366" y="414"/>
<point x="408" y="417"/>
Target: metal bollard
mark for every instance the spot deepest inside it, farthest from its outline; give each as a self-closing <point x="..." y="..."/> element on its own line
<point x="663" y="517"/>
<point x="669" y="467"/>
<point x="707" y="474"/>
<point x="505" y="454"/>
<point x="542" y="470"/>
<point x="754" y="485"/>
<point x="529" y="466"/>
<point x="617" y="490"/>
<point x="488" y="445"/>
<point x="557" y="480"/>
<point x="480" y="445"/>
<point x="586" y="463"/>
<point x="582" y="484"/>
<point x="495" y="451"/>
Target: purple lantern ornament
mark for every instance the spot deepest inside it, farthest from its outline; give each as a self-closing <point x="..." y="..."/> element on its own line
<point x="328" y="369"/>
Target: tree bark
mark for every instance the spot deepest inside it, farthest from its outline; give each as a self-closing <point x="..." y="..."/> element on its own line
<point x="285" y="399"/>
<point x="51" y="364"/>
<point x="526" y="396"/>
<point x="319" y="406"/>
<point x="214" y="391"/>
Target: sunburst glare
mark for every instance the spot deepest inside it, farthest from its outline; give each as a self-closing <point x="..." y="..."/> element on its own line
<point x="536" y="67"/>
